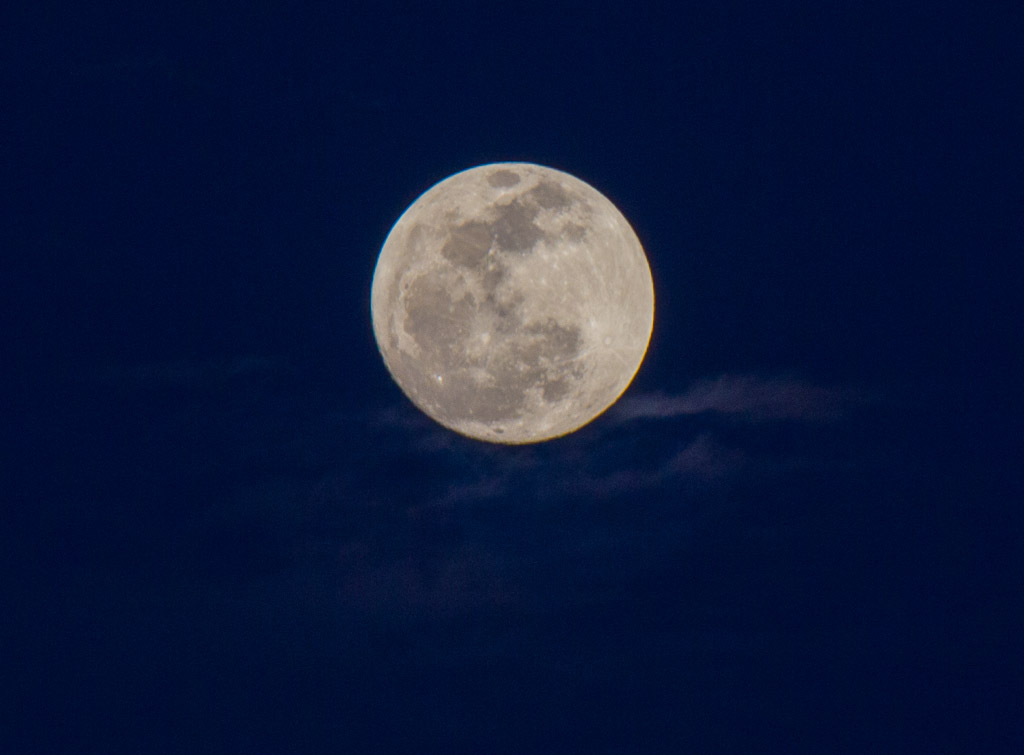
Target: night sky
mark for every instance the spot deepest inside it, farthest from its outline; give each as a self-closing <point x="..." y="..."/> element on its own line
<point x="225" y="529"/>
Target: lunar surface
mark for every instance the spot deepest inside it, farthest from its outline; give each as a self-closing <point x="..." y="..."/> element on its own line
<point x="512" y="303"/>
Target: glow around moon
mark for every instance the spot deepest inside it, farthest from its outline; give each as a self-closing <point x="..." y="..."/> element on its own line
<point x="512" y="303"/>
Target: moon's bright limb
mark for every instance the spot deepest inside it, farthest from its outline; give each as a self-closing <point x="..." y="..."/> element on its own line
<point x="512" y="303"/>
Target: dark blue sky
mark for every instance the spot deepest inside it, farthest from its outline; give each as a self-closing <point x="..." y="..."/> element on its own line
<point x="227" y="529"/>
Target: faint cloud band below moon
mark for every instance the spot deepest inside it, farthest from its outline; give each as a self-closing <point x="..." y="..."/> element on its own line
<point x="746" y="396"/>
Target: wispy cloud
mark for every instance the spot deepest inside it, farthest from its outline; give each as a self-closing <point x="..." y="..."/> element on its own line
<point x="623" y="493"/>
<point x="403" y="518"/>
<point x="379" y="517"/>
<point x="746" y="396"/>
<point x="611" y="460"/>
<point x="697" y="463"/>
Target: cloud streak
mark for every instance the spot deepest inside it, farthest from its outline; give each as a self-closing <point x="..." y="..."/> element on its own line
<point x="698" y="463"/>
<point x="746" y="397"/>
<point x="393" y="521"/>
<point x="602" y="461"/>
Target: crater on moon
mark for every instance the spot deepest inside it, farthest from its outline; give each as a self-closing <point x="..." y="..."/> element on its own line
<point x="512" y="303"/>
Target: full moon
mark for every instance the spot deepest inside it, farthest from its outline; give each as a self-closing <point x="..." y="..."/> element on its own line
<point x="512" y="303"/>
